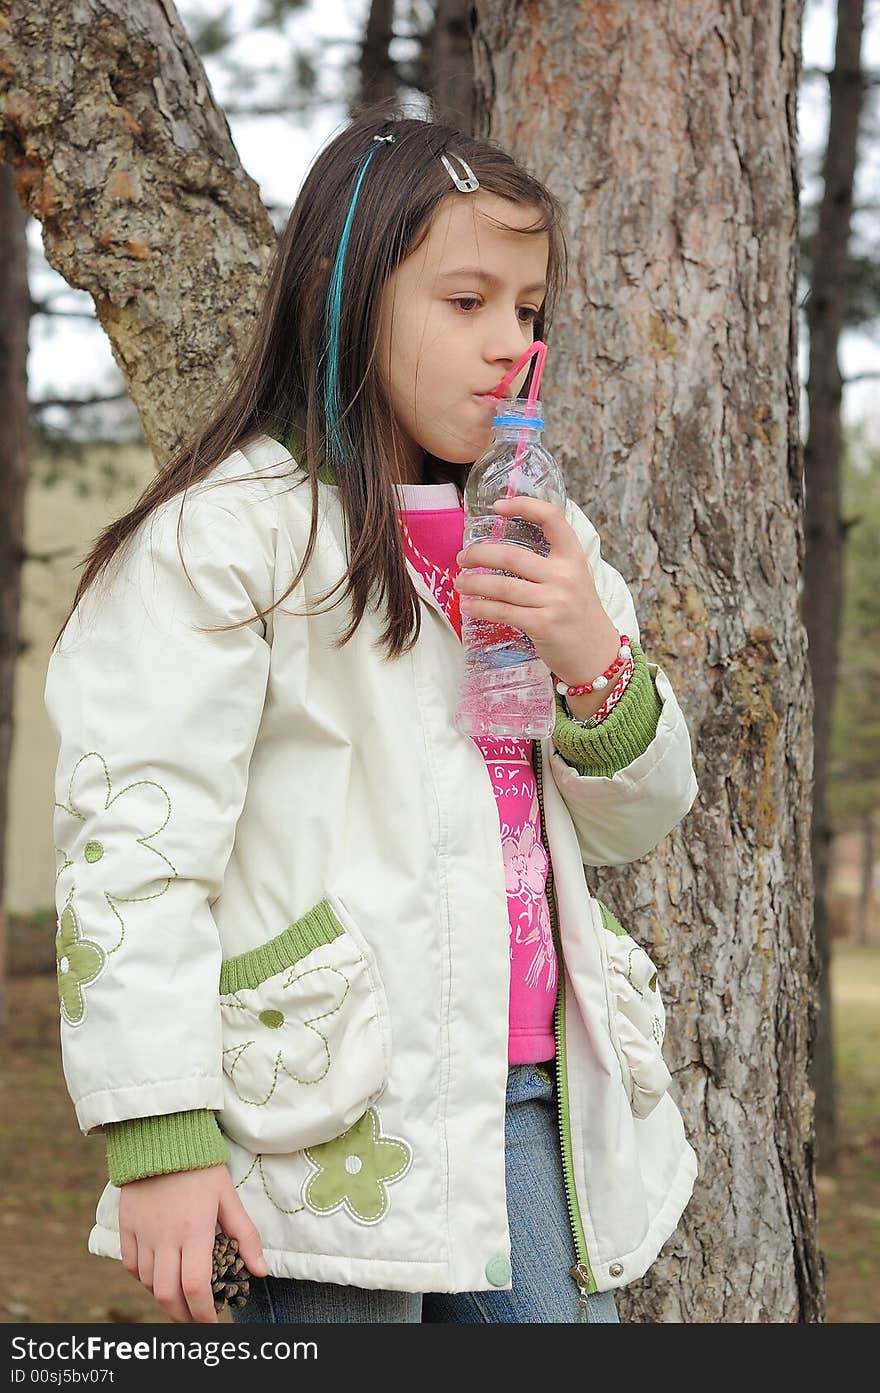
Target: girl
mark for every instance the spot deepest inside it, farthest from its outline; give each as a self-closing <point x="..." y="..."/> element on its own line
<point x="330" y="975"/>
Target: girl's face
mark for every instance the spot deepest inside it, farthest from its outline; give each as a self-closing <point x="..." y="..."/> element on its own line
<point x="454" y="316"/>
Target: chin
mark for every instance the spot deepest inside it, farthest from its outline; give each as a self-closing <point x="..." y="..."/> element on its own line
<point x="463" y="452"/>
<point x="456" y="457"/>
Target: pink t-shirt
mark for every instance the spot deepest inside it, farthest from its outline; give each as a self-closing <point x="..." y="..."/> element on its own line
<point x="435" y="520"/>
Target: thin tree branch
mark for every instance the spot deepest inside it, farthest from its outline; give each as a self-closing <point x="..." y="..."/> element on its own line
<point x="45" y="307"/>
<point x="869" y="77"/>
<point x="861" y="377"/>
<point x="46" y="556"/>
<point x="295" y="107"/>
<point x="74" y="402"/>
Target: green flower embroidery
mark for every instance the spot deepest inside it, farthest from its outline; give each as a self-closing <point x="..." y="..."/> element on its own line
<point x="79" y="962"/>
<point x="354" y="1170"/>
<point x="104" y="840"/>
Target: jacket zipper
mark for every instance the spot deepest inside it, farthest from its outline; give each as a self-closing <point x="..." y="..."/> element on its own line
<point x="580" y="1271"/>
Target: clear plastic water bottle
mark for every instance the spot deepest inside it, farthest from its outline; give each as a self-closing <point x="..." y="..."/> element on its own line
<point x="506" y="689"/>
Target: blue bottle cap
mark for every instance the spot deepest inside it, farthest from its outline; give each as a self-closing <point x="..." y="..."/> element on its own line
<point x="516" y="411"/>
<point x="532" y="422"/>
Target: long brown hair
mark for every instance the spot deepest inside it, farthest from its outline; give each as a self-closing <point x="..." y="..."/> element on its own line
<point x="278" y="387"/>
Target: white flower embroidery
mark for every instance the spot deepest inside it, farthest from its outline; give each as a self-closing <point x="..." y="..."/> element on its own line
<point x="104" y="843"/>
<point x="267" y="1042"/>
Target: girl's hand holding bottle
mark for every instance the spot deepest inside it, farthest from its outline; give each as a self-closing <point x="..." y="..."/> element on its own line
<point x="553" y="599"/>
<point x="166" y="1227"/>
<point x="536" y="615"/>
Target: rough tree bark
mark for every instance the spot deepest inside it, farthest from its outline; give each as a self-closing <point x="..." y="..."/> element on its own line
<point x="669" y="131"/>
<point x="825" y="530"/>
<point x="117" y="146"/>
<point x="14" y="320"/>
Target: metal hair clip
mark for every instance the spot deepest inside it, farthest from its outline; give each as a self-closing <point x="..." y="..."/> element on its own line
<point x="384" y="137"/>
<point x="468" y="185"/>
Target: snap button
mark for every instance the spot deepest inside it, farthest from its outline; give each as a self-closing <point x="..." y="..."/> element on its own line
<point x="616" y="1269"/>
<point x="498" y="1271"/>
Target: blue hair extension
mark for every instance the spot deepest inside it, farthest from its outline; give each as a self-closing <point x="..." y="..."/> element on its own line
<point x="333" y="311"/>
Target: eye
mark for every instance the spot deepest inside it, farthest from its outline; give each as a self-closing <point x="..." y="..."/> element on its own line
<point x="463" y="301"/>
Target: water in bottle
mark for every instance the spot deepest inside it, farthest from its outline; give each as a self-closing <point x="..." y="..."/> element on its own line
<point x="506" y="688"/>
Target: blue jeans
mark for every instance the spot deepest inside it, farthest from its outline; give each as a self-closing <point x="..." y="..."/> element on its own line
<point x="542" y="1247"/>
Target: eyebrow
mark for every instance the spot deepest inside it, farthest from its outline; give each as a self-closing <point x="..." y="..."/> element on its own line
<point x="477" y="274"/>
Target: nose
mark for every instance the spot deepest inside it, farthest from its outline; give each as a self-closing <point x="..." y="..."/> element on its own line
<point x="507" y="338"/>
<point x="515" y="387"/>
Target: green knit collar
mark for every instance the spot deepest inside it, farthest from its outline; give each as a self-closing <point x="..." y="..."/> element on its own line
<point x="293" y="442"/>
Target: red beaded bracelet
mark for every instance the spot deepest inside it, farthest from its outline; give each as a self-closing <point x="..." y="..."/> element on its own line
<point x="624" y="653"/>
<point x="608" y="704"/>
<point x="616" y="692"/>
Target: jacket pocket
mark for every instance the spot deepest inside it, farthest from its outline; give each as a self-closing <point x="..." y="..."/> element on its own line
<point x="637" y="1016"/>
<point x="306" y="1034"/>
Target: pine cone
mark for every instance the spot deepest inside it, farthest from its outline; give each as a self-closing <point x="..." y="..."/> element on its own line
<point x="230" y="1279"/>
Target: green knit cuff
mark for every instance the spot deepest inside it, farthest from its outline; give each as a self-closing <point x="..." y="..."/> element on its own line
<point x="176" y="1141"/>
<point x="626" y="732"/>
<point x="249" y="970"/>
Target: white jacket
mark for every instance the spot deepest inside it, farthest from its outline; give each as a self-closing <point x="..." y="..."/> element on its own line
<point x="304" y="826"/>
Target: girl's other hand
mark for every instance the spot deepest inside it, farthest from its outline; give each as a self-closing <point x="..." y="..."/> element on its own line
<point x="167" y="1225"/>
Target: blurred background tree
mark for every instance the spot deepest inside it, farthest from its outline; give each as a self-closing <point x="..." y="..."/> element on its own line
<point x="837" y="290"/>
<point x="854" y="767"/>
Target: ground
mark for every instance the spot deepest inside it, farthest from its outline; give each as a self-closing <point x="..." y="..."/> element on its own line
<point x="849" y="1200"/>
<point x="44" y="1228"/>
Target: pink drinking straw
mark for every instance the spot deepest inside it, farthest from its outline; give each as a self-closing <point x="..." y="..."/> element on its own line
<point x="536" y="350"/>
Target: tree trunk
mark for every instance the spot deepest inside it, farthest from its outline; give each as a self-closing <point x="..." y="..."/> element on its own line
<point x="451" y="64"/>
<point x="823" y="570"/>
<point x="669" y="133"/>
<point x="377" y="73"/>
<point x="118" y="147"/>
<point x="14" y="320"/>
<point x="866" y="897"/>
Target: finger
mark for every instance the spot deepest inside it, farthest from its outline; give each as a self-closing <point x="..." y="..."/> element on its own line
<point x="129" y="1251"/>
<point x="548" y="516"/>
<point x="145" y="1261"/>
<point x="195" y="1279"/>
<point x="508" y="589"/>
<point x="514" y="616"/>
<point x="166" y="1284"/>
<point x="501" y="556"/>
<point x="237" y="1223"/>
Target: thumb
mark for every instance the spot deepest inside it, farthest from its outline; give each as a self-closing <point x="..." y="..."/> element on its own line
<point x="236" y="1221"/>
